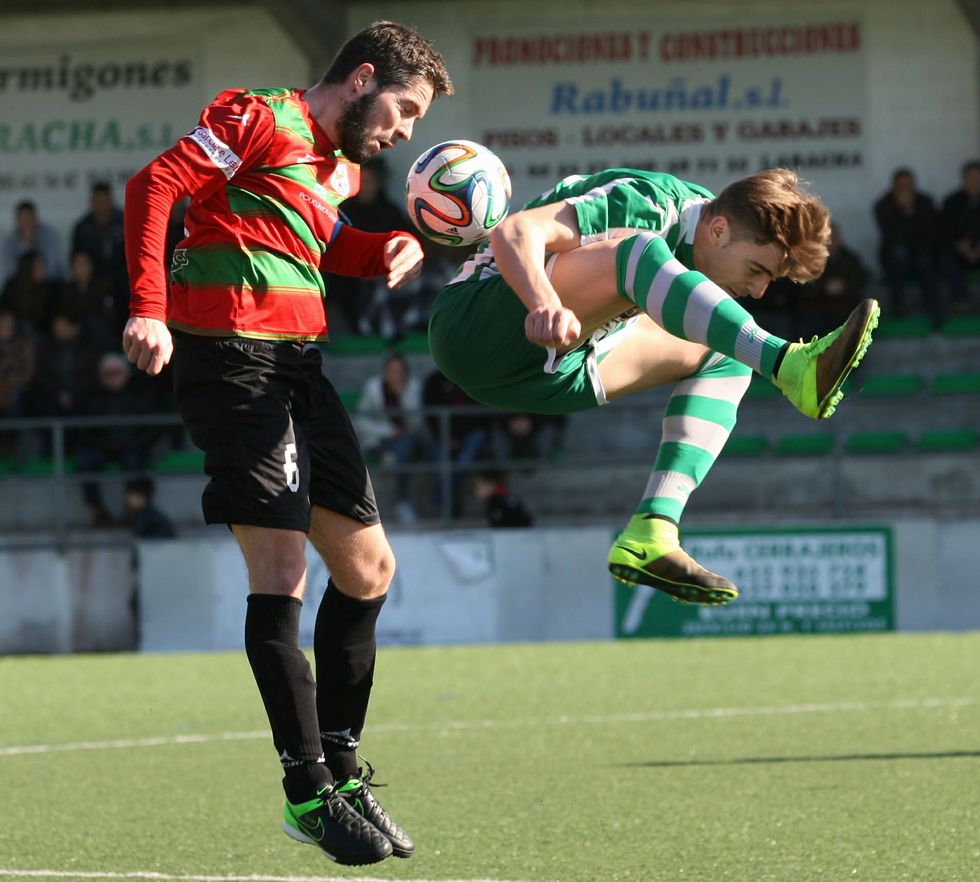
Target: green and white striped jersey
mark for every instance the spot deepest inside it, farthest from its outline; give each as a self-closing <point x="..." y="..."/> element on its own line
<point x="613" y="204"/>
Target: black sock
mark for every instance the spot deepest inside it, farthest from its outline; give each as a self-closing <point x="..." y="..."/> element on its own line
<point x="344" y="646"/>
<point x="288" y="691"/>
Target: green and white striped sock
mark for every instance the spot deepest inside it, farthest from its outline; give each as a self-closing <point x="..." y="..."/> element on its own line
<point x="700" y="416"/>
<point x="690" y="306"/>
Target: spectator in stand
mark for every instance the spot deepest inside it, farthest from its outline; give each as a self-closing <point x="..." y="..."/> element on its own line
<point x="92" y="298"/>
<point x="143" y="517"/>
<point x="100" y="234"/>
<point x="519" y="432"/>
<point x="907" y="222"/>
<point x="29" y="293"/>
<point x="960" y="236"/>
<point x="389" y="424"/>
<point x="826" y="302"/>
<point x="29" y="234"/>
<point x="531" y="435"/>
<point x="367" y="305"/>
<point x="503" y="507"/>
<point x="17" y="347"/>
<point x="66" y="367"/>
<point x="468" y="433"/>
<point x="123" y="444"/>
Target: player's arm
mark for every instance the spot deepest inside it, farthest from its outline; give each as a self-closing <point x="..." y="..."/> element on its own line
<point x="396" y="255"/>
<point x="230" y="135"/>
<point x="520" y="244"/>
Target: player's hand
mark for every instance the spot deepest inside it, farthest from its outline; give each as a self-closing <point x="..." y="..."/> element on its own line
<point x="147" y="344"/>
<point x="403" y="260"/>
<point x="552" y="325"/>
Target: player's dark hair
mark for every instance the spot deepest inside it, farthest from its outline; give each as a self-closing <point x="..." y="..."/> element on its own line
<point x="400" y="55"/>
<point x="25" y="205"/>
<point x="972" y="165"/>
<point x="774" y="206"/>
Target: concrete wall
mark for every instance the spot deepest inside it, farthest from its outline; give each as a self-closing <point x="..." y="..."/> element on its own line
<point x="515" y="585"/>
<point x="475" y="586"/>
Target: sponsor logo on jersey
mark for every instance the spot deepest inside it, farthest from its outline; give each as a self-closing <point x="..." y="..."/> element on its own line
<point x="178" y="262"/>
<point x="316" y="203"/>
<point x="340" y="180"/>
<point x="308" y="158"/>
<point x="216" y="150"/>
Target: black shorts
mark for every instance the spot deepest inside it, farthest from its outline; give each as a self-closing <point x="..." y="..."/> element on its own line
<point x="275" y="435"/>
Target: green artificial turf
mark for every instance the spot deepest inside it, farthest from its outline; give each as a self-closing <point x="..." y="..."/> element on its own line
<point x="785" y="759"/>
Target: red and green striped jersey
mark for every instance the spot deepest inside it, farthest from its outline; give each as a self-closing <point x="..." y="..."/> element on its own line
<point x="265" y="184"/>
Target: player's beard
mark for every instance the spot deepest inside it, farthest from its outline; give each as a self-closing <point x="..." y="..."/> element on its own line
<point x="353" y="128"/>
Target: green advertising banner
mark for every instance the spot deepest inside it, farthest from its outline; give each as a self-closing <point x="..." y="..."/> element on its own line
<point x="802" y="581"/>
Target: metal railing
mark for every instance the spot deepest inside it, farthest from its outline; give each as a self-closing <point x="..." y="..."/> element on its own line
<point x="52" y="436"/>
<point x="647" y="409"/>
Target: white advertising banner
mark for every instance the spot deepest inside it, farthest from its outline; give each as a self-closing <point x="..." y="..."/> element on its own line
<point x="802" y="581"/>
<point x="96" y="112"/>
<point x="706" y="101"/>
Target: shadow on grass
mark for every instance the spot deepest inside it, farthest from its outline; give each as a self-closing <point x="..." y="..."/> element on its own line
<point x="766" y="760"/>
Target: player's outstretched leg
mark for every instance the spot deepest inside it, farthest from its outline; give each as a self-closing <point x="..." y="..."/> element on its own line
<point x="697" y="422"/>
<point x="811" y="374"/>
<point x="357" y="792"/>
<point x="690" y="306"/>
<point x="329" y="821"/>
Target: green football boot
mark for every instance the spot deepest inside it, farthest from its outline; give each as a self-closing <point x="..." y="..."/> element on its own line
<point x="360" y="798"/>
<point x="328" y="821"/>
<point x="811" y="374"/>
<point x="648" y="552"/>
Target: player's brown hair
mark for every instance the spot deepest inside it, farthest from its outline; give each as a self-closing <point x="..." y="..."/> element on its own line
<point x="774" y="206"/>
<point x="399" y="53"/>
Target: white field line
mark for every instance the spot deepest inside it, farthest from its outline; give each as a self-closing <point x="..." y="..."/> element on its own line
<point x="569" y="719"/>
<point x="189" y="877"/>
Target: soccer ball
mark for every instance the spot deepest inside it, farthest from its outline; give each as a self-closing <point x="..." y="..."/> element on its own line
<point x="457" y="192"/>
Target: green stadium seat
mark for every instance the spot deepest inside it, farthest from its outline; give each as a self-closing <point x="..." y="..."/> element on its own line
<point x="810" y="444"/>
<point x="947" y="440"/>
<point x="178" y="462"/>
<point x="413" y="344"/>
<point x="956" y="384"/>
<point x="962" y="326"/>
<point x="891" y="385"/>
<point x="38" y="466"/>
<point x="910" y="327"/>
<point x="349" y="398"/>
<point x="877" y="442"/>
<point x="746" y="445"/>
<point x="355" y="344"/>
<point x="8" y="465"/>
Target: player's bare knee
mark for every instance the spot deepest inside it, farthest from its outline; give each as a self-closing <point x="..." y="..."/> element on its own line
<point x="369" y="577"/>
<point x="378" y="573"/>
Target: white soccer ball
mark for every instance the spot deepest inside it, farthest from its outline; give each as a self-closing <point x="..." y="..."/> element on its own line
<point x="457" y="192"/>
